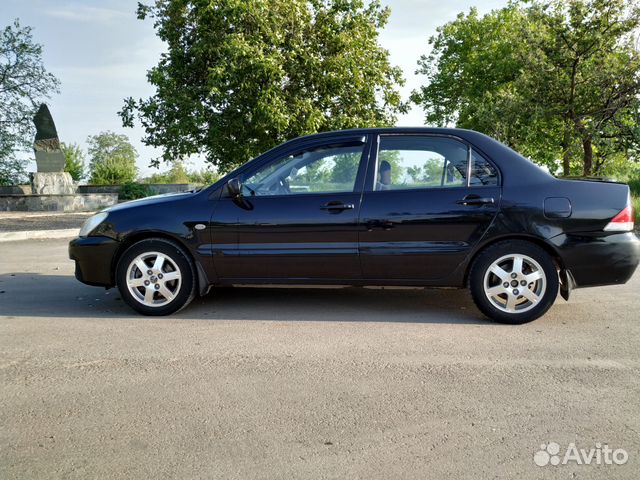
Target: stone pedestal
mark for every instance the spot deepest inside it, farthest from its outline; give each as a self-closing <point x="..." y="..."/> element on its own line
<point x="52" y="183"/>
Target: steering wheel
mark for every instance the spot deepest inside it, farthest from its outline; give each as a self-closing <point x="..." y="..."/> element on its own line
<point x="285" y="186"/>
<point x="281" y="187"/>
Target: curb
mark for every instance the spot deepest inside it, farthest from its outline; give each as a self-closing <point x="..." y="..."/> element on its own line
<point x="38" y="234"/>
<point x="18" y="215"/>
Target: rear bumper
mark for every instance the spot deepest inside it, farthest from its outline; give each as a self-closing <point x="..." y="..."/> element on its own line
<point x="599" y="259"/>
<point x="94" y="260"/>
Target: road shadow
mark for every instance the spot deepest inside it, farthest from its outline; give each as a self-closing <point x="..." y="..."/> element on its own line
<point x="62" y="296"/>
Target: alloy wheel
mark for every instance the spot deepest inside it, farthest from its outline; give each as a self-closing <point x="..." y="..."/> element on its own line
<point x="153" y="279"/>
<point x="515" y="283"/>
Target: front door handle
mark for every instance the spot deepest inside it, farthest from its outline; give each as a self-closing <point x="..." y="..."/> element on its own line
<point x="338" y="206"/>
<point x="476" y="200"/>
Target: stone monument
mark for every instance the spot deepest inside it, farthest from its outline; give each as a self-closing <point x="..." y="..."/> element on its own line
<point x="52" y="189"/>
<point x="50" y="179"/>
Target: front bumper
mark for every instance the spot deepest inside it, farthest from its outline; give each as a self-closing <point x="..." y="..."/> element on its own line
<point x="599" y="259"/>
<point x="94" y="260"/>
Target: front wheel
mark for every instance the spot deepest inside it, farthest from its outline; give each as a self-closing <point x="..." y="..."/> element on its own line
<point x="156" y="277"/>
<point x="514" y="282"/>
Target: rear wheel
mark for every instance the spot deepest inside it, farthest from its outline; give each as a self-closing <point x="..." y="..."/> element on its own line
<point x="514" y="282"/>
<point x="156" y="277"/>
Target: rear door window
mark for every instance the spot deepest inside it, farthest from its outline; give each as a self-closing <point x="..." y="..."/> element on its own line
<point x="421" y="162"/>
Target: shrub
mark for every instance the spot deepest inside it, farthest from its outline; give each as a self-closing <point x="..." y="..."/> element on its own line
<point x="133" y="191"/>
<point x="113" y="171"/>
<point x="74" y="161"/>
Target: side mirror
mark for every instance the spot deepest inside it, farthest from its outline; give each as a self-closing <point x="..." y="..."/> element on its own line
<point x="234" y="186"/>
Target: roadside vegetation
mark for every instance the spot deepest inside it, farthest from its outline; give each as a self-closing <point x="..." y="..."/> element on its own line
<point x="634" y="184"/>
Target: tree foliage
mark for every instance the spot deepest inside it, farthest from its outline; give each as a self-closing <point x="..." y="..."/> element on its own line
<point x="179" y="173"/>
<point x="112" y="159"/>
<point x="204" y="176"/>
<point x="554" y="79"/>
<point x="74" y="160"/>
<point x="12" y="171"/>
<point x="240" y="77"/>
<point x="24" y="85"/>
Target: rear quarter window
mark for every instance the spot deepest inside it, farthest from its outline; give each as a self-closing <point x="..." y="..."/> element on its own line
<point x="483" y="173"/>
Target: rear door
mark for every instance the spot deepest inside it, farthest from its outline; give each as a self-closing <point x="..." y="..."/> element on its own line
<point x="428" y="201"/>
<point x="298" y="216"/>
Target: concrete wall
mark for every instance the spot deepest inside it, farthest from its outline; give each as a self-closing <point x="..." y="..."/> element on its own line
<point x="158" y="188"/>
<point x="57" y="203"/>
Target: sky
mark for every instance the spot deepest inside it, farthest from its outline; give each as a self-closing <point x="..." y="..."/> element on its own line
<point x="101" y="52"/>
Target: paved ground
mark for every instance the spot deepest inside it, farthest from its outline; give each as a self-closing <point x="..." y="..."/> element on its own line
<point x="22" y="222"/>
<point x="310" y="384"/>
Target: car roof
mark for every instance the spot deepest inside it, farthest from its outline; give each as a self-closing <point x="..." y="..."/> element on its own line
<point x="390" y="130"/>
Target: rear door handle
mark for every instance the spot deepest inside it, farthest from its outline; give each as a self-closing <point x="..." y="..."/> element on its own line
<point x="338" y="206"/>
<point x="385" y="225"/>
<point x="475" y="200"/>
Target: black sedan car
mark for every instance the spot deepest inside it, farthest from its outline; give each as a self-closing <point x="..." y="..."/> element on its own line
<point x="403" y="206"/>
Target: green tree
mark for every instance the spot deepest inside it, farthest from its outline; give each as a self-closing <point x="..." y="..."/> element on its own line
<point x="553" y="79"/>
<point x="346" y="168"/>
<point x="240" y="77"/>
<point x="24" y="85"/>
<point x="112" y="159"/>
<point x="178" y="173"/>
<point x="204" y="176"/>
<point x="74" y="160"/>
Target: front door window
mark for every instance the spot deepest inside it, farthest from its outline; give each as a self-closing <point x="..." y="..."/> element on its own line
<point x="321" y="170"/>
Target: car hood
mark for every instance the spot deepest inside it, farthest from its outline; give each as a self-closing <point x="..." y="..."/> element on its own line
<point x="154" y="200"/>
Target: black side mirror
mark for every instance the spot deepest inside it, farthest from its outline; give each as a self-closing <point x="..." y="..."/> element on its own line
<point x="234" y="186"/>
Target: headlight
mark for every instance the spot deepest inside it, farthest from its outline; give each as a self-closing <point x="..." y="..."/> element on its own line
<point x="91" y="223"/>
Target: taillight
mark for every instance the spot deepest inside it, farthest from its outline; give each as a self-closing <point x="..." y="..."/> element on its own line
<point x="622" y="222"/>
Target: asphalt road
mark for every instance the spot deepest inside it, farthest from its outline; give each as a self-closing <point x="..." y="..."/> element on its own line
<point x="309" y="384"/>
<point x="23" y="221"/>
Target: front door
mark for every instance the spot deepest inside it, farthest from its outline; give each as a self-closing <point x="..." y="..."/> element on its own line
<point x="428" y="201"/>
<point x="297" y="217"/>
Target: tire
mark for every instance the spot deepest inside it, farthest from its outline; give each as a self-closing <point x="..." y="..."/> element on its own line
<point x="530" y="274"/>
<point x="166" y="287"/>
